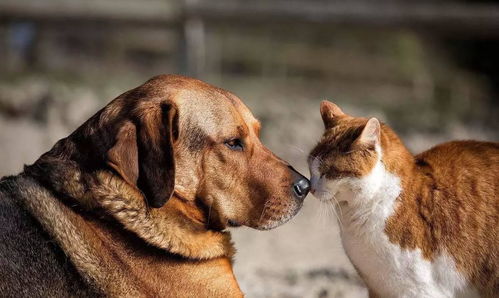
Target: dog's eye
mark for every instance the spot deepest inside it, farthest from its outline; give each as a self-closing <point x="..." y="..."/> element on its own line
<point x="235" y="144"/>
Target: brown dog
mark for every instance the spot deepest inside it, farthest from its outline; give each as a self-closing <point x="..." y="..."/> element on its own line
<point x="98" y="198"/>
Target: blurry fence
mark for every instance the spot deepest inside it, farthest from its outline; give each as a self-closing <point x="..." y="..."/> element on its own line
<point x="190" y="19"/>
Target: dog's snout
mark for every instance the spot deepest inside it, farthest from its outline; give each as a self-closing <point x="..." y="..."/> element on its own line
<point x="301" y="185"/>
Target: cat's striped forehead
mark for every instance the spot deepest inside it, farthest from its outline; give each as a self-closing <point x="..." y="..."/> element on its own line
<point x="340" y="137"/>
<point x="338" y="156"/>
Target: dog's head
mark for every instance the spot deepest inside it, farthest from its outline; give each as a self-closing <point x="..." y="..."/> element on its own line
<point x="221" y="162"/>
<point x="176" y="135"/>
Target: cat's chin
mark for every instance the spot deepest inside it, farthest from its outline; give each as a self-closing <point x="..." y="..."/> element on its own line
<point x="326" y="200"/>
<point x="338" y="198"/>
<point x="323" y="196"/>
<point x="327" y="197"/>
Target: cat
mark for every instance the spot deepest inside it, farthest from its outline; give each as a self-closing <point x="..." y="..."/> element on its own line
<point x="413" y="226"/>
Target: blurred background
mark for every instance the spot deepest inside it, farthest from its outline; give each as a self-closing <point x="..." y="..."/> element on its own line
<point x="428" y="68"/>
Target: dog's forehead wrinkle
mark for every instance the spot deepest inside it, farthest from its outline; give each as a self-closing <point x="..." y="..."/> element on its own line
<point x="195" y="136"/>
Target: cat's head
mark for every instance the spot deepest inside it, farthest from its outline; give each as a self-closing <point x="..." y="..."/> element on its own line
<point x="347" y="156"/>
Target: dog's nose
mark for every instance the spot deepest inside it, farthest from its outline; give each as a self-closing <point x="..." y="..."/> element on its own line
<point x="301" y="185"/>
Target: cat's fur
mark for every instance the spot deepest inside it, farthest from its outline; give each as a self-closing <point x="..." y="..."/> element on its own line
<point x="413" y="226"/>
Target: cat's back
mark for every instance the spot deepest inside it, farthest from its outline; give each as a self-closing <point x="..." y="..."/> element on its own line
<point x="463" y="162"/>
<point x="472" y="151"/>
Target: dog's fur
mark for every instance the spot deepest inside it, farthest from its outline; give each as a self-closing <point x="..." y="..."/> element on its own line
<point x="89" y="217"/>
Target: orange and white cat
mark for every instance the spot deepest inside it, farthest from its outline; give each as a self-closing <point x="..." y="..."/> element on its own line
<point x="413" y="226"/>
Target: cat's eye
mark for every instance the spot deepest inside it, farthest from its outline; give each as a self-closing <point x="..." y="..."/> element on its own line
<point x="235" y="144"/>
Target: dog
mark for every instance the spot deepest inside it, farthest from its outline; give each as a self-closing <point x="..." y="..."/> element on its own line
<point x="136" y="201"/>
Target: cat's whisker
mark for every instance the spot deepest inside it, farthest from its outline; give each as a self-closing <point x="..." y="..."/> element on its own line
<point x="323" y="219"/>
<point x="339" y="208"/>
<point x="319" y="214"/>
<point x="331" y="210"/>
<point x="332" y="206"/>
<point x="325" y="205"/>
<point x="324" y="213"/>
<point x="335" y="206"/>
<point x="297" y="148"/>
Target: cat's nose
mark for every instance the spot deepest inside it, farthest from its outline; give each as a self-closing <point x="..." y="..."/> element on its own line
<point x="301" y="185"/>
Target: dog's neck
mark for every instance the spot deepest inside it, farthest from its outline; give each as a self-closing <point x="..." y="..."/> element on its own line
<point x="117" y="262"/>
<point x="178" y="227"/>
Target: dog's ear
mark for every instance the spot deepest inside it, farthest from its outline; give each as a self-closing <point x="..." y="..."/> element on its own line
<point x="123" y="156"/>
<point x="143" y="152"/>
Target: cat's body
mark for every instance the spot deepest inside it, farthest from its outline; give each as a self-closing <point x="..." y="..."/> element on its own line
<point x="413" y="226"/>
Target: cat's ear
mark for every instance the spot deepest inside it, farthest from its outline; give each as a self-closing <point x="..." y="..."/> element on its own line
<point x="370" y="135"/>
<point x="330" y="112"/>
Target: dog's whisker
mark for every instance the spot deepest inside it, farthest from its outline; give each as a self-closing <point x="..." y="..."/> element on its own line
<point x="263" y="210"/>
